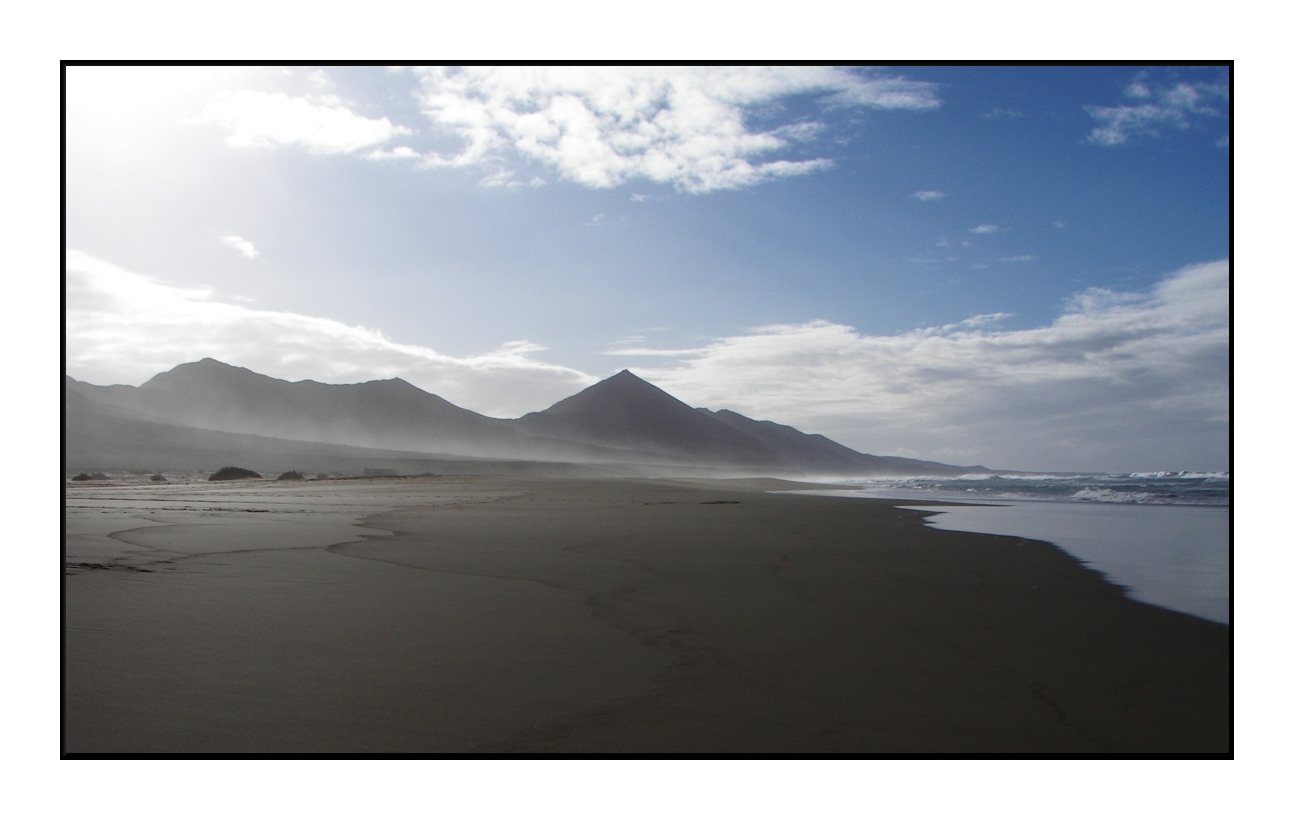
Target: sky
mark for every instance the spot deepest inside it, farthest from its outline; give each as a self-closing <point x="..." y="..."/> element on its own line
<point x="1025" y="268"/>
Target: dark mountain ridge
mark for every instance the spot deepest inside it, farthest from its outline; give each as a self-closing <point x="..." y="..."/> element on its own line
<point x="388" y="414"/>
<point x="625" y="411"/>
<point x="212" y="395"/>
<point x="621" y="420"/>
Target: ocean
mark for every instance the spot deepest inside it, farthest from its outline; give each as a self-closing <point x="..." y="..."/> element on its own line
<point x="1165" y="536"/>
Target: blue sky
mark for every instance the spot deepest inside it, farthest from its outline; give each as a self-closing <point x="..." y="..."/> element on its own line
<point x="1021" y="267"/>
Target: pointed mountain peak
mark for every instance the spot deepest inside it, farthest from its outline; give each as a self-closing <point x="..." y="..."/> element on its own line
<point x="623" y="379"/>
<point x="620" y="396"/>
<point x="626" y="380"/>
<point x="622" y="391"/>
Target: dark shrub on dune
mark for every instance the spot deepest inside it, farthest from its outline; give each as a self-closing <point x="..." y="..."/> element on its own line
<point x="232" y="473"/>
<point x="88" y="477"/>
<point x="291" y="475"/>
<point x="159" y="477"/>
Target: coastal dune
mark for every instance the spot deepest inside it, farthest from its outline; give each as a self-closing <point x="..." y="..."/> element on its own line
<point x="511" y="615"/>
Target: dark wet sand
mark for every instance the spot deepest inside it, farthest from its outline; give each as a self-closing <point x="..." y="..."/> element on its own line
<point x="562" y="615"/>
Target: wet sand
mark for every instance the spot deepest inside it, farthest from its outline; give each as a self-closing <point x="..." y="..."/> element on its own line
<point x="459" y="615"/>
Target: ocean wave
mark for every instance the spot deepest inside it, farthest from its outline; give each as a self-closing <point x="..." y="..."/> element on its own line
<point x="1012" y="477"/>
<point x="1184" y="474"/>
<point x="1163" y="487"/>
<point x="1105" y="495"/>
<point x="1108" y="496"/>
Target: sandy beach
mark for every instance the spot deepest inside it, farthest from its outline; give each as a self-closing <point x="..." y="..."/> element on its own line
<point x="509" y="615"/>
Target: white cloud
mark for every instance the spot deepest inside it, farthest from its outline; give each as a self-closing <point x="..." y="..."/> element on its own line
<point x="1137" y="91"/>
<point x="241" y="245"/>
<point x="1120" y="381"/>
<point x="603" y="126"/>
<point x="928" y="196"/>
<point x="1171" y="107"/>
<point x="985" y="229"/>
<point x="398" y="152"/>
<point x="1021" y="258"/>
<point x="321" y="125"/>
<point x="124" y="328"/>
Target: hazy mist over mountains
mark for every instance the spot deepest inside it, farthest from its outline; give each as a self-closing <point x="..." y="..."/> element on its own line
<point x="205" y="412"/>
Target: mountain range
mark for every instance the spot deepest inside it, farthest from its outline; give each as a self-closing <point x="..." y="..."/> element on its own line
<point x="200" y="413"/>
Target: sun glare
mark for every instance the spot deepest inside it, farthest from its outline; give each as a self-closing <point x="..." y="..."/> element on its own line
<point x="120" y="92"/>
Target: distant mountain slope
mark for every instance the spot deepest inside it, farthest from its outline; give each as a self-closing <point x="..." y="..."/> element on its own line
<point x="111" y="440"/>
<point x="622" y="420"/>
<point x="626" y="412"/>
<point x="815" y="453"/>
<point x="394" y="414"/>
<point x="96" y="438"/>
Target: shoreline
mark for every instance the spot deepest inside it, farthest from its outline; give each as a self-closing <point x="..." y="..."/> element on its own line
<point x="1177" y="557"/>
<point x="611" y="615"/>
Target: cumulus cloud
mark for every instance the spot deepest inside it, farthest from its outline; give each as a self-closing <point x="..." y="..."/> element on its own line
<point x="321" y="125"/>
<point x="684" y="126"/>
<point x="241" y="245"/>
<point x="1172" y="107"/>
<point x="123" y="327"/>
<point x="1120" y="381"/>
<point x="928" y="196"/>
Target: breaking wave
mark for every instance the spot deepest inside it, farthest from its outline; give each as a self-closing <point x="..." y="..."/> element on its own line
<point x="1211" y="489"/>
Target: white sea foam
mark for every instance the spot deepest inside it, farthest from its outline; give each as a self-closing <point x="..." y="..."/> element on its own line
<point x="1108" y="496"/>
<point x="1162" y="487"/>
